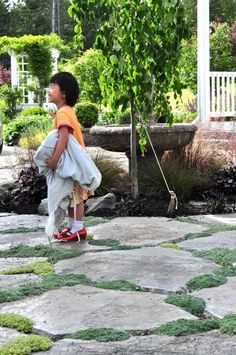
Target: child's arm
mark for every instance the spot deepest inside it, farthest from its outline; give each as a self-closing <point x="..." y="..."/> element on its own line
<point x="60" y="147"/>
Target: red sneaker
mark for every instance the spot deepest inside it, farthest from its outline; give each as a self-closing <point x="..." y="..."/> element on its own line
<point x="69" y="237"/>
<point x="56" y="235"/>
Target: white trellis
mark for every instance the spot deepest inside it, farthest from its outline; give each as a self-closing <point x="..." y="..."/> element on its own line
<point x="21" y="77"/>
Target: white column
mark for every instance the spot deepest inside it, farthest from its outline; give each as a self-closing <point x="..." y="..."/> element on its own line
<point x="203" y="60"/>
<point x="14" y="75"/>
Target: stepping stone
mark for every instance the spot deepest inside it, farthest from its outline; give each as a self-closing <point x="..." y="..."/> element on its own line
<point x="219" y="300"/>
<point x="229" y="218"/>
<point x="70" y="309"/>
<point x="153" y="268"/>
<point x="7" y="334"/>
<point x="6" y="263"/>
<point x="144" y="231"/>
<point x="217" y="240"/>
<point x="28" y="221"/>
<point x="200" y="344"/>
<point x="35" y="238"/>
<point x="30" y="238"/>
<point x="9" y="281"/>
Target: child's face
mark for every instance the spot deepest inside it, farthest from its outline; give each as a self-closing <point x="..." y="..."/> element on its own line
<point x="55" y="95"/>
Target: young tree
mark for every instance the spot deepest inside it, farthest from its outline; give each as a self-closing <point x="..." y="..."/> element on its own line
<point x="141" y="43"/>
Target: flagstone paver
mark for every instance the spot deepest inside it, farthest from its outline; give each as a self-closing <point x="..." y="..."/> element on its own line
<point x="70" y="309"/>
<point x="217" y="240"/>
<point x="201" y="344"/>
<point x="6" y="263"/>
<point x="144" y="231"/>
<point x="8" y="334"/>
<point x="153" y="268"/>
<point x="229" y="218"/>
<point x="9" y="281"/>
<point x="35" y="238"/>
<point x="28" y="221"/>
<point x="220" y="300"/>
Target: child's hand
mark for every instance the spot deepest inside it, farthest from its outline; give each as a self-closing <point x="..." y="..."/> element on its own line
<point x="51" y="163"/>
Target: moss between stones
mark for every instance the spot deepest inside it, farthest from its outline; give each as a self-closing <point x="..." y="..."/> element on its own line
<point x="228" y="324"/>
<point x="21" y="230"/>
<point x="52" y="282"/>
<point x="53" y="254"/>
<point x="100" y="334"/>
<point x="191" y="236"/>
<point x="38" y="268"/>
<point x="186" y="326"/>
<point x="205" y="281"/>
<point x="112" y="243"/>
<point x="91" y="221"/>
<point x="121" y="285"/>
<point x="170" y="246"/>
<point x="226" y="271"/>
<point x="192" y="221"/>
<point x="180" y="327"/>
<point x="221" y="256"/>
<point x="25" y="345"/>
<point x="16" y="321"/>
<point x="193" y="305"/>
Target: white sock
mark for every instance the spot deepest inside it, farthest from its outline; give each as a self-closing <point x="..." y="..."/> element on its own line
<point x="70" y="222"/>
<point x="76" y="226"/>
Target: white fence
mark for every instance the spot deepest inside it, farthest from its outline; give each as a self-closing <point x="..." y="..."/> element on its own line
<point x="222" y="94"/>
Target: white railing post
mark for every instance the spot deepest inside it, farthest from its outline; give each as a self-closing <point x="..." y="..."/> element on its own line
<point x="203" y="60"/>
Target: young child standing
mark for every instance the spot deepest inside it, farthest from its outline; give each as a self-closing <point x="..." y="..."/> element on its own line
<point x="64" y="93"/>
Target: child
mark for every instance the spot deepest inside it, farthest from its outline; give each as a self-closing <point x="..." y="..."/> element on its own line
<point x="64" y="92"/>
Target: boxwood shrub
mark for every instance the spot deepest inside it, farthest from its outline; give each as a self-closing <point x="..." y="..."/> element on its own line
<point x="14" y="130"/>
<point x="87" y="114"/>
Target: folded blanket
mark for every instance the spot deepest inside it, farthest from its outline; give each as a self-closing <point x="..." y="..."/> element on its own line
<point x="75" y="165"/>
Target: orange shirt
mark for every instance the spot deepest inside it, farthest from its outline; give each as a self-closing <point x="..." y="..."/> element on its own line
<point x="66" y="117"/>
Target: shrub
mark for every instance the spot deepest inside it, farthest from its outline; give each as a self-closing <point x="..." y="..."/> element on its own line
<point x="33" y="111"/>
<point x="12" y="98"/>
<point x="33" y="136"/>
<point x="18" y="127"/>
<point x="113" y="176"/>
<point x="24" y="345"/>
<point x="182" y="179"/>
<point x="124" y="117"/>
<point x="87" y="114"/>
<point x="16" y="321"/>
<point x="31" y="189"/>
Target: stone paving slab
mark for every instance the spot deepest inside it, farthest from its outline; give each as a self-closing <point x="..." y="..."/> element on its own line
<point x="9" y="281"/>
<point x="220" y="300"/>
<point x="6" y="263"/>
<point x="30" y="238"/>
<point x="35" y="238"/>
<point x="144" y="231"/>
<point x="202" y="344"/>
<point x="70" y="309"/>
<point x="29" y="221"/>
<point x="217" y="240"/>
<point x="229" y="218"/>
<point x="153" y="268"/>
<point x="8" y="334"/>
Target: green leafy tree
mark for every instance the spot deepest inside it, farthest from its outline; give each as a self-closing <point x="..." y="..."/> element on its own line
<point x="4" y="18"/>
<point x="224" y="10"/>
<point x="140" y="41"/>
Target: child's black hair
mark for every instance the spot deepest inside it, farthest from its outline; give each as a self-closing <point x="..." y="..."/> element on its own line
<point x="68" y="85"/>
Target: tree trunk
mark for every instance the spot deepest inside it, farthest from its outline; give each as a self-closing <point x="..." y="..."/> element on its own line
<point x="133" y="150"/>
